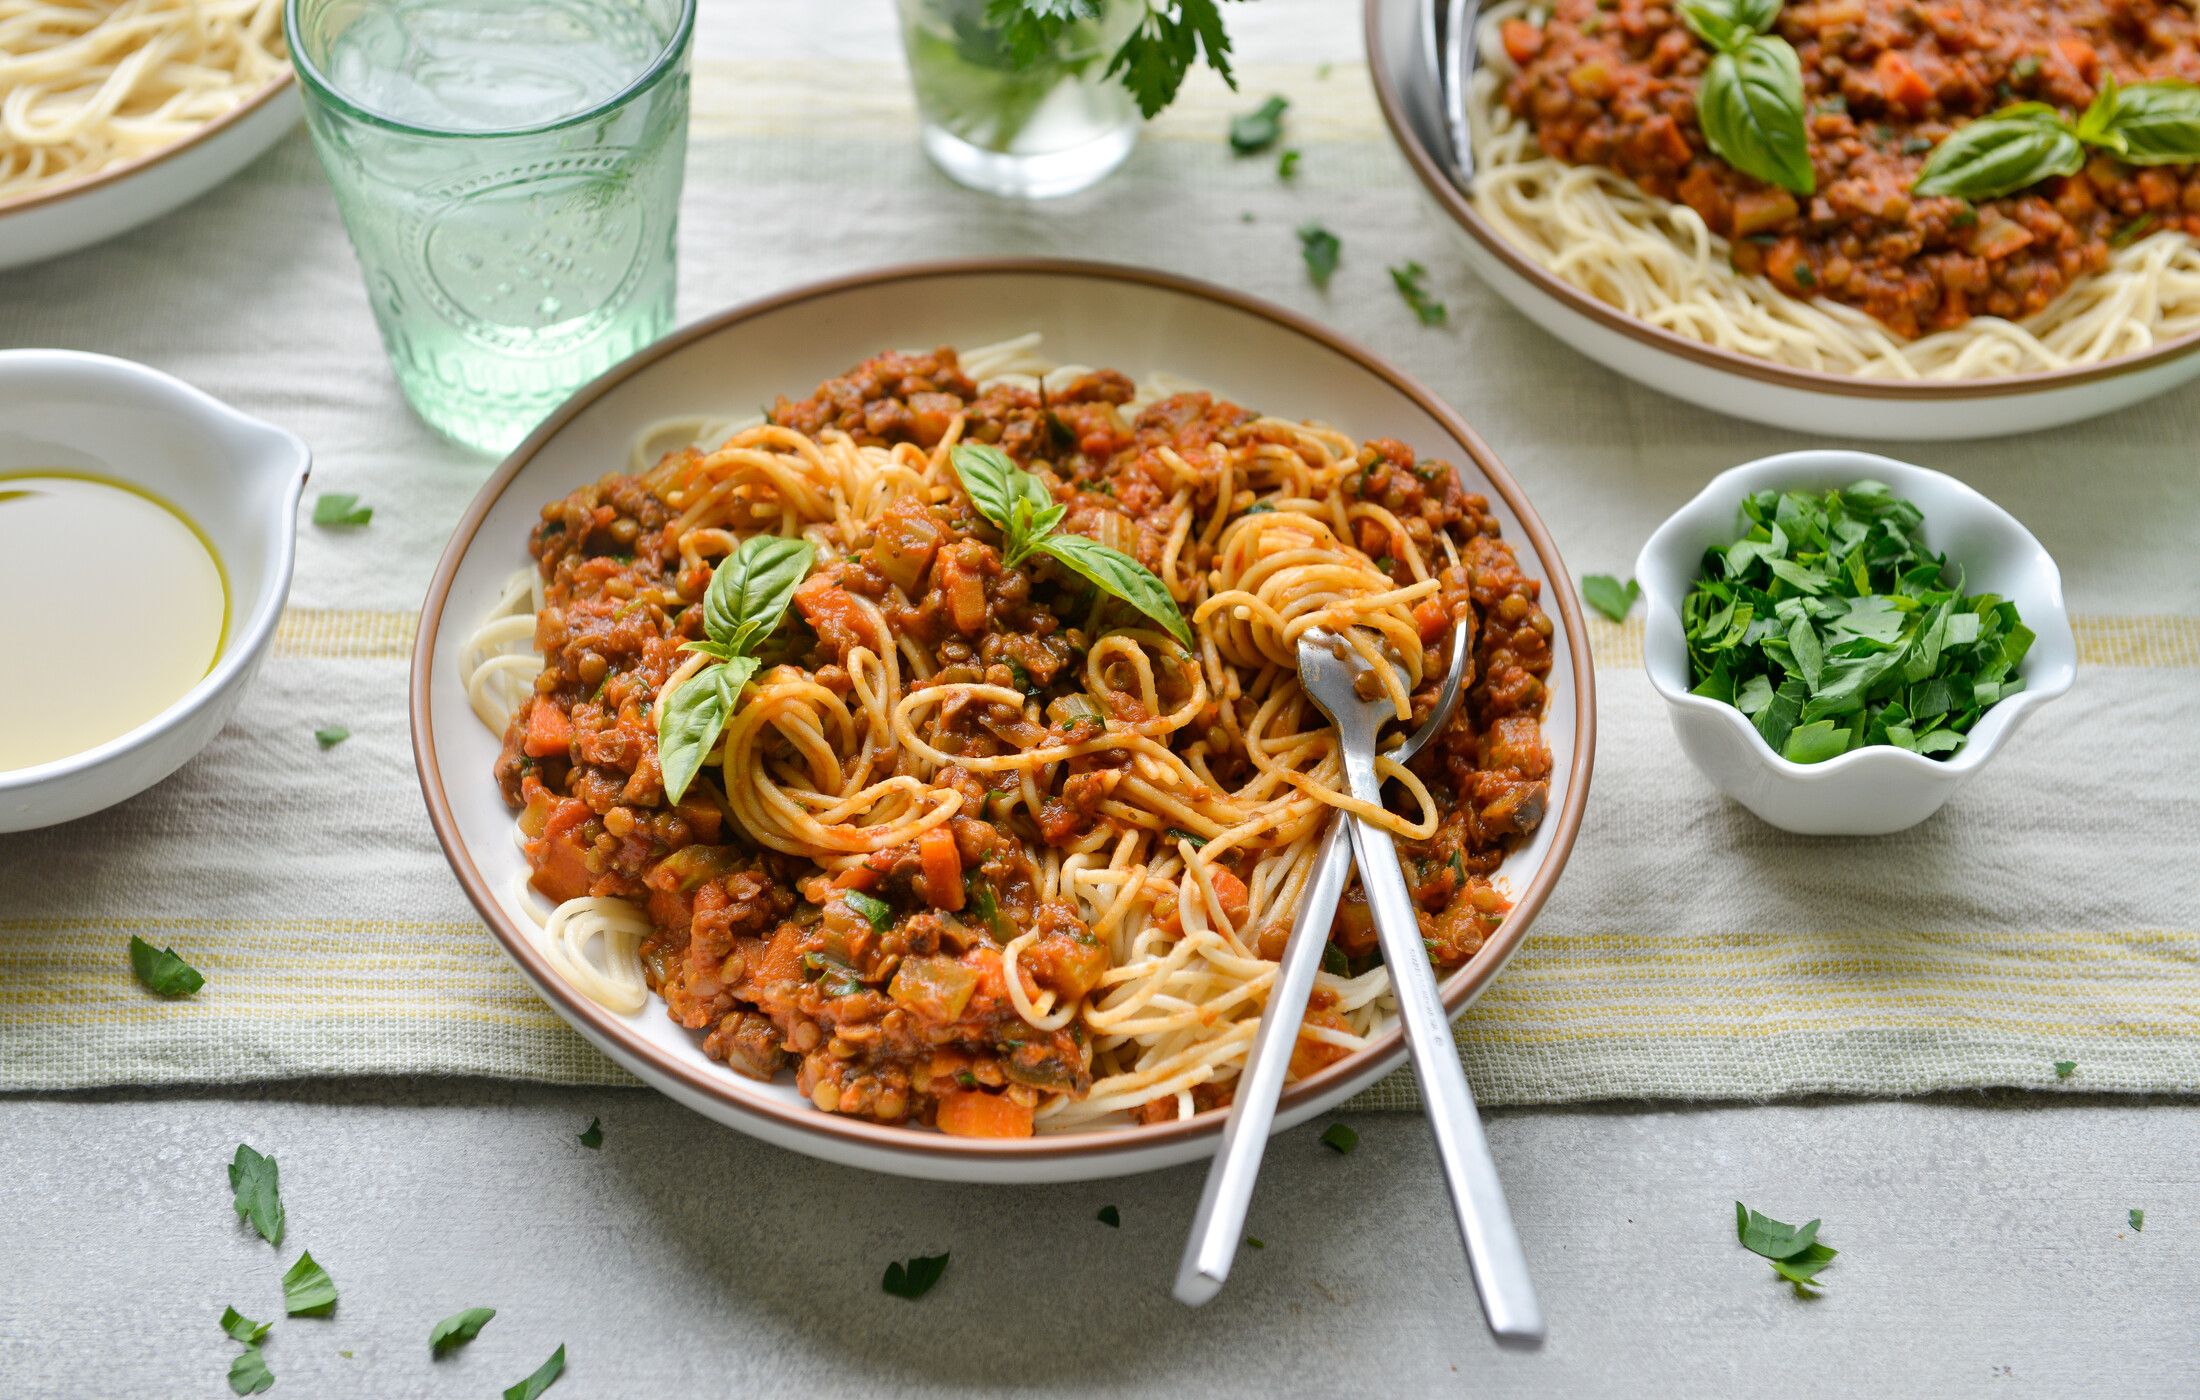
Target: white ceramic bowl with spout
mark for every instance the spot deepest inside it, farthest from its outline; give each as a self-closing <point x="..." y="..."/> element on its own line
<point x="1868" y="791"/>
<point x="237" y="478"/>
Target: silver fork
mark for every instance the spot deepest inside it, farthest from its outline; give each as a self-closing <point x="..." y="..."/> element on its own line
<point x="1220" y="1219"/>
<point x="1329" y="670"/>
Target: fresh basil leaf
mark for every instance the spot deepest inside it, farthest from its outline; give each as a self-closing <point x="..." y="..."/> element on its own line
<point x="330" y="736"/>
<point x="308" y="1291"/>
<point x="458" y="1329"/>
<point x="2065" y="1068"/>
<point x="340" y="510"/>
<point x="248" y="1374"/>
<point x="1725" y="24"/>
<point x="162" y="972"/>
<point x="751" y="588"/>
<point x="989" y="479"/>
<point x="2002" y="153"/>
<point x="1117" y="574"/>
<point x="1751" y="110"/>
<point x="691" y="721"/>
<point x="914" y="1278"/>
<point x="871" y="907"/>
<point x="2155" y="122"/>
<point x="1321" y="249"/>
<point x="544" y="1377"/>
<point x="256" y="1183"/>
<point x="1407" y="278"/>
<point x="1609" y="596"/>
<point x="1110" y="1217"/>
<point x="591" y="1137"/>
<point x="1255" y="131"/>
<point x="1340" y="1139"/>
<point x="243" y="1328"/>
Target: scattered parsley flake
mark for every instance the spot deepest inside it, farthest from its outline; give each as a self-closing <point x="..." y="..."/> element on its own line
<point x="331" y="736"/>
<point x="545" y="1376"/>
<point x="1609" y="596"/>
<point x="1321" y="72"/>
<point x="1110" y="1217"/>
<point x="1321" y="249"/>
<point x="2065" y="1068"/>
<point x="1426" y="309"/>
<point x="257" y="1185"/>
<point x="161" y="971"/>
<point x="242" y="1328"/>
<point x="592" y="1135"/>
<point x="334" y="509"/>
<point x="248" y="1374"/>
<point x="308" y="1291"/>
<point x="458" y="1329"/>
<point x="1155" y="57"/>
<point x="1255" y="1241"/>
<point x="2138" y="1219"/>
<point x="1340" y="1138"/>
<point x="914" y="1278"/>
<point x="1287" y="164"/>
<point x="1255" y="131"/>
<point x="1794" y="1253"/>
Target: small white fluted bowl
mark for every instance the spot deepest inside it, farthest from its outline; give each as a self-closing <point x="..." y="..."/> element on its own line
<point x="236" y="477"/>
<point x="1869" y="791"/>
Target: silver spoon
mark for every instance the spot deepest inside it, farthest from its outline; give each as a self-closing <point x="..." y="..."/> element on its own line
<point x="1330" y="671"/>
<point x="1220" y="1219"/>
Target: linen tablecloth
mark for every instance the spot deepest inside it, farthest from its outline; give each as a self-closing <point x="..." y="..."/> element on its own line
<point x="2050" y="912"/>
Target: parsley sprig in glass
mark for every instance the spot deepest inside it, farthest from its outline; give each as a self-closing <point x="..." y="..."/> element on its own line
<point x="1832" y="627"/>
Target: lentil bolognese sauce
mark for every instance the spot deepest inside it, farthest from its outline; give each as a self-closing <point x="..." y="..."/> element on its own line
<point x="1946" y="286"/>
<point x="980" y="846"/>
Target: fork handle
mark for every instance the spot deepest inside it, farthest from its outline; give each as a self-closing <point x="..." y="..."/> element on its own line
<point x="1220" y="1219"/>
<point x="1499" y="1265"/>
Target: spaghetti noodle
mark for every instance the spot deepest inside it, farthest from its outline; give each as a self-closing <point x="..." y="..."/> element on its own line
<point x="978" y="847"/>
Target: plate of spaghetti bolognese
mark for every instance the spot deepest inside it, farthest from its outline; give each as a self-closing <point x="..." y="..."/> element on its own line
<point x="871" y="714"/>
<point x="1842" y="216"/>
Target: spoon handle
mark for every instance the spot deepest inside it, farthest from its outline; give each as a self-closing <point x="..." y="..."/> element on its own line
<point x="1220" y="1219"/>
<point x="1494" y="1255"/>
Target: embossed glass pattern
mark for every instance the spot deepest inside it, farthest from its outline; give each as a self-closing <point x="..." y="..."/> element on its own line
<point x="509" y="173"/>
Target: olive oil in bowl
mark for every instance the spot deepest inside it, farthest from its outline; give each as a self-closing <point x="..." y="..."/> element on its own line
<point x="116" y="606"/>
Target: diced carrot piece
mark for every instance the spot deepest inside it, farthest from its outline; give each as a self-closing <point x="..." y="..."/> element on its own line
<point x="1903" y="85"/>
<point x="1522" y="40"/>
<point x="1309" y="1054"/>
<point x="2080" y="54"/>
<point x="963" y="588"/>
<point x="857" y="877"/>
<point x="1237" y="901"/>
<point x="977" y="1114"/>
<point x="1431" y="620"/>
<point x="941" y="867"/>
<point x="549" y="730"/>
<point x="560" y="860"/>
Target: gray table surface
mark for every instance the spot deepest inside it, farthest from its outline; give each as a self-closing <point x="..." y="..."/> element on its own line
<point x="1985" y="1250"/>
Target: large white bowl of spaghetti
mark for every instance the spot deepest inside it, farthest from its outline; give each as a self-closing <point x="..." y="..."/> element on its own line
<point x="116" y="112"/>
<point x="1918" y="337"/>
<point x="985" y="875"/>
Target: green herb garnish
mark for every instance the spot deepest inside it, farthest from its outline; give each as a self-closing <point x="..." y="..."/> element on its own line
<point x="877" y="912"/>
<point x="1287" y="164"/>
<point x="592" y="1135"/>
<point x="257" y="1186"/>
<point x="2150" y="123"/>
<point x="308" y="1291"/>
<point x="243" y="1328"/>
<point x="1019" y="505"/>
<point x="458" y="1329"/>
<point x="1110" y="1217"/>
<point x="1795" y="1254"/>
<point x="914" y="1278"/>
<point x="1255" y="1241"/>
<point x="1426" y="309"/>
<point x="544" y="1377"/>
<point x="1750" y="103"/>
<point x="1321" y="249"/>
<point x="1340" y="1138"/>
<point x="339" y="510"/>
<point x="2065" y="1068"/>
<point x="331" y="736"/>
<point x="1255" y="131"/>
<point x="1609" y="596"/>
<point x="748" y="598"/>
<point x="248" y="1374"/>
<point x="1832" y="628"/>
<point x="2138" y="1219"/>
<point x="1178" y="833"/>
<point x="161" y="971"/>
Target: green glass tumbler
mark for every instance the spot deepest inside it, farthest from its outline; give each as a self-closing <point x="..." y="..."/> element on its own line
<point x="509" y="173"/>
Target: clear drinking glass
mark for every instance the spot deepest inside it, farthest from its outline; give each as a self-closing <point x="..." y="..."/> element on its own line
<point x="1048" y="127"/>
<point x="509" y="172"/>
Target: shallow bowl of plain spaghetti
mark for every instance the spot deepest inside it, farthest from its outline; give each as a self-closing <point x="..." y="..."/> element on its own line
<point x="130" y="110"/>
<point x="1639" y="284"/>
<point x="141" y="448"/>
<point x="1867" y="791"/>
<point x="945" y="953"/>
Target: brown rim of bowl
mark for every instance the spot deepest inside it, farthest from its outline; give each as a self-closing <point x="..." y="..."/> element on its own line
<point x="104" y="178"/>
<point x="1445" y="193"/>
<point x="1387" y="1049"/>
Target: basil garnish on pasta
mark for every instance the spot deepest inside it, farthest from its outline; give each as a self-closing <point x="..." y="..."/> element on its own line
<point x="1751" y="102"/>
<point x="2150" y="123"/>
<point x="1019" y="505"/>
<point x="748" y="598"/>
